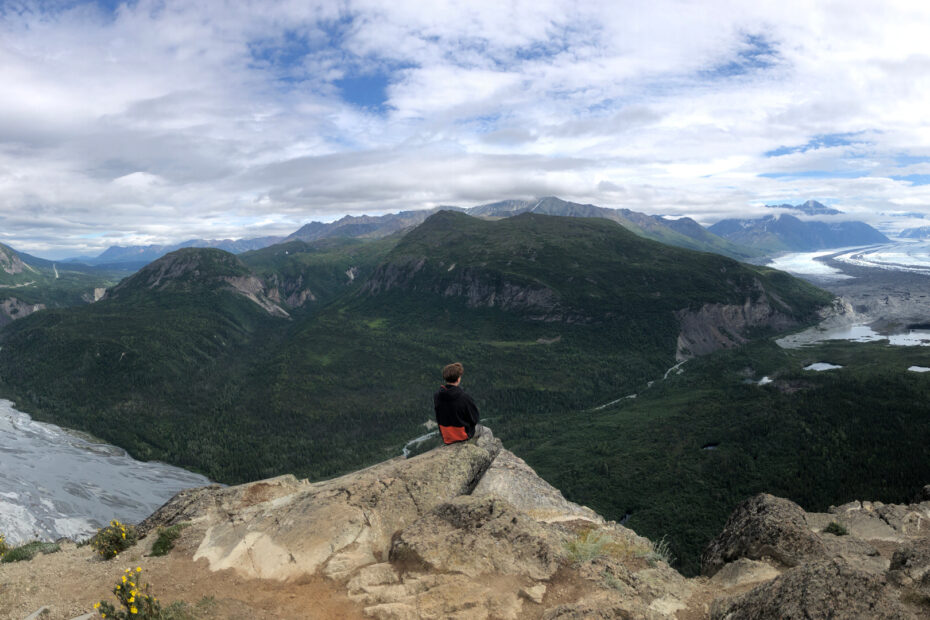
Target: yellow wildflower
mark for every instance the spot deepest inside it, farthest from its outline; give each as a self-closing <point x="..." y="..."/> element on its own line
<point x="138" y="569"/>
<point x="131" y="599"/>
<point x="124" y="578"/>
<point x="133" y="610"/>
<point x="97" y="605"/>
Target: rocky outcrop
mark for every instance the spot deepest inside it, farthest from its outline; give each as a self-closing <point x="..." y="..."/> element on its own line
<point x="910" y="568"/>
<point x="11" y="263"/>
<point x="764" y="527"/>
<point x="12" y="308"/>
<point x="470" y="531"/>
<point x="462" y="531"/>
<point x="286" y="529"/>
<point x="860" y="560"/>
<point x="823" y="589"/>
<point x="476" y="536"/>
<point x="254" y="289"/>
<point x="723" y="326"/>
<point x="510" y="478"/>
<point x="292" y="292"/>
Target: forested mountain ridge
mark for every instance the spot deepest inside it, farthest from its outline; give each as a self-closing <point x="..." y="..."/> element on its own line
<point x="308" y="275"/>
<point x="579" y="270"/>
<point x="197" y="270"/>
<point x="28" y="284"/>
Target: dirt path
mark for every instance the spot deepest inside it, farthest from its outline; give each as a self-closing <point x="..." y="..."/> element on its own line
<point x="71" y="581"/>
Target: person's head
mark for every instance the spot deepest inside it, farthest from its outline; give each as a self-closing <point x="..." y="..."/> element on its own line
<point x="452" y="373"/>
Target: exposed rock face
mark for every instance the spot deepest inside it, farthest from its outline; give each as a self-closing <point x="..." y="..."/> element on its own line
<point x="431" y="537"/>
<point x="723" y="326"/>
<point x="510" y="478"/>
<point x="823" y="589"/>
<point x="254" y="289"/>
<point x="479" y="535"/>
<point x="292" y="292"/>
<point x="12" y="308"/>
<point x="879" y="569"/>
<point x="11" y="263"/>
<point x="764" y="526"/>
<point x="285" y="529"/>
<point x="910" y="566"/>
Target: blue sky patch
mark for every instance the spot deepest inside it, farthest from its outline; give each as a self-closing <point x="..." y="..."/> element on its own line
<point x="818" y="142"/>
<point x="364" y="91"/>
<point x="909" y="160"/>
<point x="756" y="53"/>
<point x="816" y="174"/>
<point x="915" y="179"/>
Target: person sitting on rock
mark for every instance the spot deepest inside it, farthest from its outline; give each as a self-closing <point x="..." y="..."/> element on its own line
<point x="456" y="412"/>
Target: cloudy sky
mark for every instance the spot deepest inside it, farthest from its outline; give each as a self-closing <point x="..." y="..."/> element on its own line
<point x="158" y="121"/>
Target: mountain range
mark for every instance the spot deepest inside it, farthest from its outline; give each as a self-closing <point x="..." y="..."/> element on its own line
<point x="921" y="232"/>
<point x="740" y="239"/>
<point x="683" y="232"/>
<point x="784" y="232"/>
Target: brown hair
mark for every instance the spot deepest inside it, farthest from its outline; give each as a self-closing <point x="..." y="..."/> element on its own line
<point x="452" y="372"/>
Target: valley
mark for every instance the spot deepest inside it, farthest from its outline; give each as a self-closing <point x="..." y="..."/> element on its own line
<point x="319" y="357"/>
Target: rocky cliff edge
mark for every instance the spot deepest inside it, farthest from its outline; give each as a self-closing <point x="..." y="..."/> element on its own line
<point x="462" y="531"/>
<point x="470" y="531"/>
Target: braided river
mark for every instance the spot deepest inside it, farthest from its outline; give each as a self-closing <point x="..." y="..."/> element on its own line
<point x="58" y="483"/>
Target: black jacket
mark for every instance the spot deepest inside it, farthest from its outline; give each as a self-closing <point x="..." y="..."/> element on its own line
<point x="456" y="413"/>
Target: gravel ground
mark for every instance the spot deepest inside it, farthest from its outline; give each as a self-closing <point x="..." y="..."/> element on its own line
<point x="71" y="581"/>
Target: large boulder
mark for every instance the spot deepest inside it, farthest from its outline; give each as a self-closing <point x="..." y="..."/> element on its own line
<point x="822" y="589"/>
<point x="764" y="527"/>
<point x="910" y="565"/>
<point x="477" y="536"/>
<point x="510" y="478"/>
<point x="892" y="523"/>
<point x="284" y="528"/>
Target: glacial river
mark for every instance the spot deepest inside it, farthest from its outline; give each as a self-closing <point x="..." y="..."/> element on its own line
<point x="54" y="482"/>
<point x="899" y="255"/>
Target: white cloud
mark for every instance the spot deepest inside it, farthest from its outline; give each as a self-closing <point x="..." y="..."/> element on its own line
<point x="169" y="120"/>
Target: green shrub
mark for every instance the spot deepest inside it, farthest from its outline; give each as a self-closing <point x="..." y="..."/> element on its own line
<point x="591" y="543"/>
<point x="166" y="539"/>
<point x="586" y="546"/>
<point x="28" y="551"/>
<point x="660" y="552"/>
<point x="114" y="538"/>
<point x="836" y="529"/>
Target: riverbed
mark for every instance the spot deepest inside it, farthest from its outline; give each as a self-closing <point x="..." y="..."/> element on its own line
<point x="57" y="483"/>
